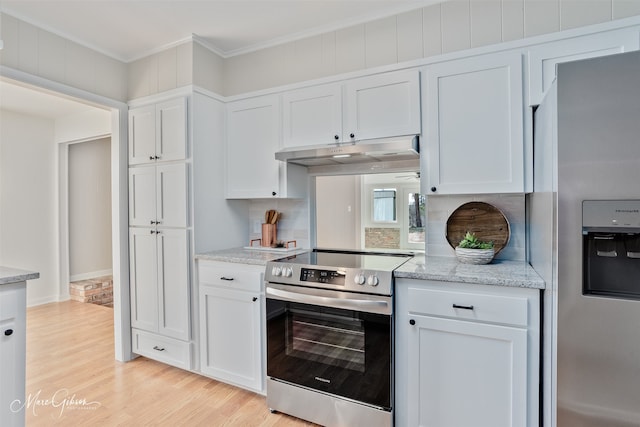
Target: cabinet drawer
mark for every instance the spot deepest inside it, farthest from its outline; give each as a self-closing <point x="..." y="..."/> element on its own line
<point x="468" y="305"/>
<point x="231" y="275"/>
<point x="163" y="349"/>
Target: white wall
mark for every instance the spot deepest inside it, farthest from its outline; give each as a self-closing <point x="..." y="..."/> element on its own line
<point x="338" y="211"/>
<point x="28" y="201"/>
<point x="90" y="209"/>
<point x="218" y="223"/>
<point x="438" y="29"/>
<point x="91" y="123"/>
<point x="294" y="224"/>
<point x="41" y="53"/>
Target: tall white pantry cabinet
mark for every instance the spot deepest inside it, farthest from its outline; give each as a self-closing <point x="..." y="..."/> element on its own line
<point x="159" y="233"/>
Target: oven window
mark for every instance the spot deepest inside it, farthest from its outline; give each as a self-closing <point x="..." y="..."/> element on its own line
<point x="331" y="340"/>
<point x="342" y="352"/>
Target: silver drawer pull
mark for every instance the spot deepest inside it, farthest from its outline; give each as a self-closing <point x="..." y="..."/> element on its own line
<point x="228" y="279"/>
<point x="155" y="347"/>
<point x="463" y="307"/>
<point x="608" y="254"/>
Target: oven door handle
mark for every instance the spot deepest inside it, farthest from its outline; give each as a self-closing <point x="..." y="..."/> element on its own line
<point x="355" y="304"/>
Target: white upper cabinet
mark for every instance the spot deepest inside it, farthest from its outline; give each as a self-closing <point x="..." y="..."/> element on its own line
<point x="158" y="132"/>
<point x="544" y="58"/>
<point x="158" y="195"/>
<point x="142" y="135"/>
<point x="473" y="114"/>
<point x="379" y="106"/>
<point x="312" y="116"/>
<point x="253" y="137"/>
<point x="382" y="105"/>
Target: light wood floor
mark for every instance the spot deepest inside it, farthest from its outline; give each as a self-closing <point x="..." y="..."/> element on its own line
<point x="70" y="359"/>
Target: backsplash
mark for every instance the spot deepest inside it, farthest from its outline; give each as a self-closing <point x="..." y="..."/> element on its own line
<point x="293" y="225"/>
<point x="512" y="206"/>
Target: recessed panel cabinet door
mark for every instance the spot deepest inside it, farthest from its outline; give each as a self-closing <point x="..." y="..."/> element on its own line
<point x="466" y="374"/>
<point x="171" y="195"/>
<point x="383" y="105"/>
<point x="173" y="283"/>
<point x="474" y="125"/>
<point x="312" y="116"/>
<point x="230" y="336"/>
<point x="171" y="122"/>
<point x="142" y="135"/>
<point x="143" y="270"/>
<point x="142" y="196"/>
<point x="253" y="137"/>
<point x="544" y="57"/>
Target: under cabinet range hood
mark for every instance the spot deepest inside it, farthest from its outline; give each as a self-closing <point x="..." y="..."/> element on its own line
<point x="358" y="152"/>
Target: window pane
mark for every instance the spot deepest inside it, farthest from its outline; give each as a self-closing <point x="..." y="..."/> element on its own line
<point x="417" y="218"/>
<point x="384" y="204"/>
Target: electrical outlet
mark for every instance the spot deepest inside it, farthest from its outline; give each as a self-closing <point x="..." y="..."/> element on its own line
<point x="257" y="226"/>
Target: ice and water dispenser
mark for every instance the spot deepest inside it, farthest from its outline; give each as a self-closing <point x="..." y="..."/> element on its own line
<point x="611" y="248"/>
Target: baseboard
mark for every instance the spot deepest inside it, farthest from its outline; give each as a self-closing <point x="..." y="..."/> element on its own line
<point x="90" y="275"/>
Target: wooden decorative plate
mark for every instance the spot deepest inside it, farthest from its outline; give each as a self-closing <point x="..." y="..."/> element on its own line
<point x="484" y="220"/>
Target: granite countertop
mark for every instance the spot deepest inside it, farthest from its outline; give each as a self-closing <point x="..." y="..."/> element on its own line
<point x="247" y="256"/>
<point x="498" y="273"/>
<point x="13" y="275"/>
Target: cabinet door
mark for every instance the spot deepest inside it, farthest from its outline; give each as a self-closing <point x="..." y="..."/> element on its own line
<point x="142" y="196"/>
<point x="13" y="325"/>
<point x="143" y="270"/>
<point x="171" y="125"/>
<point x="383" y="105"/>
<point x="466" y="374"/>
<point x="474" y="125"/>
<point x="173" y="283"/>
<point x="544" y="58"/>
<point x="312" y="116"/>
<point x="142" y="135"/>
<point x="230" y="328"/>
<point x="253" y="137"/>
<point x="171" y="195"/>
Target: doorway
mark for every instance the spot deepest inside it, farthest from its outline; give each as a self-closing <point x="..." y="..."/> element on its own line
<point x="89" y="222"/>
<point x="40" y="92"/>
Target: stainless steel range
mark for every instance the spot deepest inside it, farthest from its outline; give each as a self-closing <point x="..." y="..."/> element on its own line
<point x="330" y="336"/>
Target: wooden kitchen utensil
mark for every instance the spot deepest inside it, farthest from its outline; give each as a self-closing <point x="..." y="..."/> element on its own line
<point x="269" y="232"/>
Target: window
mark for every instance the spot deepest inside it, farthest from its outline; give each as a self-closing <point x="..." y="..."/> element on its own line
<point x="416" y="217"/>
<point x="384" y="205"/>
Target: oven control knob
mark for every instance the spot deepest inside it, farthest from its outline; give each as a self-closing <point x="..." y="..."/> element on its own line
<point x="276" y="271"/>
<point x="359" y="279"/>
<point x="287" y="272"/>
<point x="372" y="280"/>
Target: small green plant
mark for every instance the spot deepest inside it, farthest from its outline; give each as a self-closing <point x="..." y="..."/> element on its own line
<point x="470" y="241"/>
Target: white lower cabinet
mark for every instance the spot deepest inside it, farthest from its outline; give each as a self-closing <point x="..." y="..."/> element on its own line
<point x="466" y="355"/>
<point x="159" y="275"/>
<point x="13" y="325"/>
<point x="231" y="323"/>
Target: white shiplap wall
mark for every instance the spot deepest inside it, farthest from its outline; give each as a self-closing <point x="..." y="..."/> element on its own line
<point x="43" y="54"/>
<point x="451" y="26"/>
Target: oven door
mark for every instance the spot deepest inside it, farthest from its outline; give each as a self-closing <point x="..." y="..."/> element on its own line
<point x="334" y="342"/>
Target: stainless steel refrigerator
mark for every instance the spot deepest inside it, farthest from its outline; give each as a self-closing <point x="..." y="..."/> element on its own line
<point x="587" y="148"/>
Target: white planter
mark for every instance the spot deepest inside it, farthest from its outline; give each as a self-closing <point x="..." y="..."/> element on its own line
<point x="474" y="256"/>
